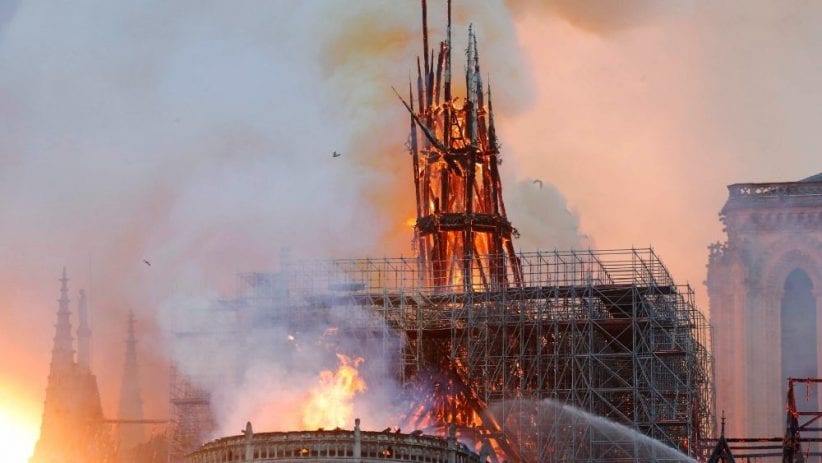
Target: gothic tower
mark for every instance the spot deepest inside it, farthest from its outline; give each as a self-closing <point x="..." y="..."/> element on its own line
<point x="83" y="334"/>
<point x="130" y="432"/>
<point x="62" y="353"/>
<point x="763" y="284"/>
<point x="72" y="429"/>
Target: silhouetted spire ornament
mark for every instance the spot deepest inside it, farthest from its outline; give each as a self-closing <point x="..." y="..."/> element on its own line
<point x="130" y="434"/>
<point x="83" y="334"/>
<point x="72" y="429"/>
<point x="492" y="131"/>
<point x="62" y="353"/>
<point x="722" y="451"/>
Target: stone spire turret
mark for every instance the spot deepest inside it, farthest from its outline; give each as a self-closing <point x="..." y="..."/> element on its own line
<point x="131" y="404"/>
<point x="72" y="428"/>
<point x="62" y="353"/>
<point x="83" y="334"/>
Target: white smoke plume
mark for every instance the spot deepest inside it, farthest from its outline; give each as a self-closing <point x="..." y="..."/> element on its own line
<point x="261" y="368"/>
<point x="542" y="217"/>
<point x="197" y="137"/>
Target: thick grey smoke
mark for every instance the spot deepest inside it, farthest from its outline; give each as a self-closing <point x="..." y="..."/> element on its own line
<point x="592" y="15"/>
<point x="7" y="10"/>
<point x="157" y="149"/>
<point x="198" y="135"/>
<point x="260" y="364"/>
<point x="541" y="215"/>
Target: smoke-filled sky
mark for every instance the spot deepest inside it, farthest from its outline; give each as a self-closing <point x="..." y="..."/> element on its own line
<point x="197" y="135"/>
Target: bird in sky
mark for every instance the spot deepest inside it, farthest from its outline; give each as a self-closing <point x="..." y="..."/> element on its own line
<point x="147" y="262"/>
<point x="539" y="182"/>
<point x="336" y="154"/>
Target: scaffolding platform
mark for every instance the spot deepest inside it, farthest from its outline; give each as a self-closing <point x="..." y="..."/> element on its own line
<point x="608" y="332"/>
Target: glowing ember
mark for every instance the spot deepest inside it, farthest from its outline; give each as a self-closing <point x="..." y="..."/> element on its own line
<point x="330" y="403"/>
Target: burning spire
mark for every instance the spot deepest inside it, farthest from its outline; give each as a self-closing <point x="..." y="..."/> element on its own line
<point x="462" y="233"/>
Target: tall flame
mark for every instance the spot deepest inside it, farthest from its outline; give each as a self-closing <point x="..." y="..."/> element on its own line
<point x="330" y="404"/>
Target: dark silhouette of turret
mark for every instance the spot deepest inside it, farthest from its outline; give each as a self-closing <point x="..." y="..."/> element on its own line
<point x="130" y="432"/>
<point x="62" y="353"/>
<point x="722" y="451"/>
<point x="83" y="334"/>
<point x="72" y="430"/>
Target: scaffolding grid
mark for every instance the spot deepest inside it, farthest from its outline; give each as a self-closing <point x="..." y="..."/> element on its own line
<point x="608" y="332"/>
<point x="192" y="421"/>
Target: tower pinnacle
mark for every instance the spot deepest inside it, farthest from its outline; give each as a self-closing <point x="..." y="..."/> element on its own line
<point x="72" y="428"/>
<point x="83" y="334"/>
<point x="131" y="403"/>
<point x="62" y="354"/>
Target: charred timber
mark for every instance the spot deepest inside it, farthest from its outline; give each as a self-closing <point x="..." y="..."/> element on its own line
<point x="457" y="221"/>
<point x="460" y="210"/>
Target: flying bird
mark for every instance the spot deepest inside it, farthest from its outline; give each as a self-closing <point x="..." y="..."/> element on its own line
<point x="539" y="182"/>
<point x="147" y="262"/>
<point x="336" y="154"/>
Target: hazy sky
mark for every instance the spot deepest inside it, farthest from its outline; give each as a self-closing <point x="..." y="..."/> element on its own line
<point x="198" y="134"/>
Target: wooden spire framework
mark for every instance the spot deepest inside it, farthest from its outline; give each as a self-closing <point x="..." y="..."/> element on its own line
<point x="463" y="236"/>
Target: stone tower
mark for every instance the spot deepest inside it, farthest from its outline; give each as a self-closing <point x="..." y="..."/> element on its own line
<point x="72" y="429"/>
<point x="764" y="284"/>
<point x="130" y="432"/>
<point x="83" y="334"/>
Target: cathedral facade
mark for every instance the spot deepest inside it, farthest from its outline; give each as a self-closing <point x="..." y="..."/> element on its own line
<point x="764" y="285"/>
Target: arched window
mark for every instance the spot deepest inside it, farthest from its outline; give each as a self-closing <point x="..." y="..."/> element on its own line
<point x="799" y="337"/>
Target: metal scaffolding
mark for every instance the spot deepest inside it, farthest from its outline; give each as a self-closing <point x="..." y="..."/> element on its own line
<point x="608" y="332"/>
<point x="801" y="441"/>
<point x="483" y="337"/>
<point x="192" y="421"/>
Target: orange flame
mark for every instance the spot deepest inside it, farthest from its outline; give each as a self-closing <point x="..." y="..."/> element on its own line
<point x="330" y="404"/>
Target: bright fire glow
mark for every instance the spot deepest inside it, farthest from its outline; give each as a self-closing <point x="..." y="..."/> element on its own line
<point x="330" y="404"/>
<point x="18" y="432"/>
